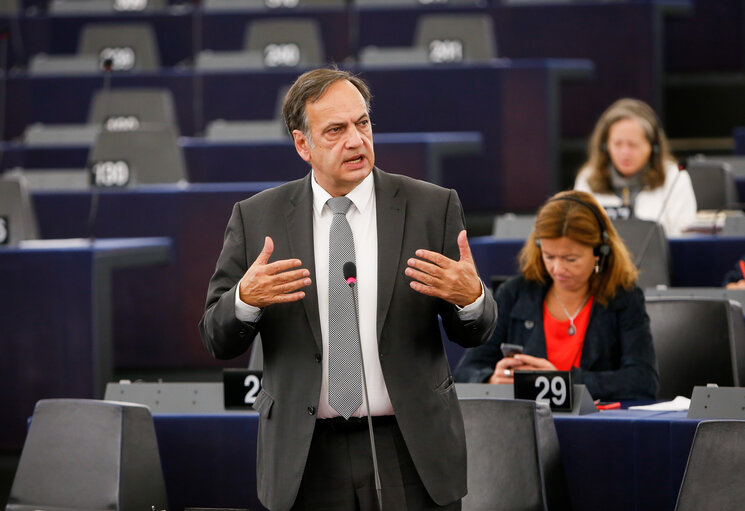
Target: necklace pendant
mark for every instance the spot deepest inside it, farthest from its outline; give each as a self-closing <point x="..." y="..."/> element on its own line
<point x="572" y="330"/>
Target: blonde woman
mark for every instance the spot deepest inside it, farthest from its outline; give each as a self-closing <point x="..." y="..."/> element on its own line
<point x="630" y="167"/>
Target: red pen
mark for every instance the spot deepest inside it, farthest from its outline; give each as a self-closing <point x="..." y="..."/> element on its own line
<point x="742" y="268"/>
<point x="604" y="405"/>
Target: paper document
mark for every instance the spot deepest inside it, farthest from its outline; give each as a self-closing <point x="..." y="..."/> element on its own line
<point x="679" y="404"/>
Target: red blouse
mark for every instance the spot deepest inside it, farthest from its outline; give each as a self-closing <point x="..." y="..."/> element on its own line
<point x="564" y="350"/>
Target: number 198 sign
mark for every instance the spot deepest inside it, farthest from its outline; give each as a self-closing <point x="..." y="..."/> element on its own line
<point x="553" y="388"/>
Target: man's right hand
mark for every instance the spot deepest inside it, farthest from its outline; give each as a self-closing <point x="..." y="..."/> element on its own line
<point x="267" y="283"/>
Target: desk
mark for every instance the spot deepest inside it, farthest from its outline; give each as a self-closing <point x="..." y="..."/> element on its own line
<point x="55" y="312"/>
<point x="623" y="460"/>
<point x="614" y="460"/>
<point x="156" y="315"/>
<point x="696" y="261"/>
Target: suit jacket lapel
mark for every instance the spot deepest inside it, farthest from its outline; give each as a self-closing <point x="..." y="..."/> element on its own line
<point x="390" y="213"/>
<point x="299" y="217"/>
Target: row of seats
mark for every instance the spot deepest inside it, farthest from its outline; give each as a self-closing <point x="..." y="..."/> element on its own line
<point x="86" y="454"/>
<point x="271" y="43"/>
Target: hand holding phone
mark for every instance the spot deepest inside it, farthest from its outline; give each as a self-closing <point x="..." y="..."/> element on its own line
<point x="509" y="350"/>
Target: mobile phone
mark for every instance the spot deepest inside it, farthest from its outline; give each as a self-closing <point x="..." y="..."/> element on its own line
<point x="509" y="350"/>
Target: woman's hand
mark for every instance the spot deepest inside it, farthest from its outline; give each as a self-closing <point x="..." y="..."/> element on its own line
<point x="530" y="363"/>
<point x="505" y="369"/>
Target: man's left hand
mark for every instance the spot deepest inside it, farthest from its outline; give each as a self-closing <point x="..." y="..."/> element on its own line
<point x="436" y="275"/>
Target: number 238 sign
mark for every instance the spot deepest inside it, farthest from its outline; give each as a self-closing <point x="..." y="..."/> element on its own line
<point x="551" y="387"/>
<point x="241" y="387"/>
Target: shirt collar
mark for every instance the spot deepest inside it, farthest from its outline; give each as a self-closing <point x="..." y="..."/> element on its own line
<point x="360" y="195"/>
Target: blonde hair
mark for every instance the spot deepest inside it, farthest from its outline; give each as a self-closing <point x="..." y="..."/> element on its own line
<point x="577" y="215"/>
<point x="598" y="156"/>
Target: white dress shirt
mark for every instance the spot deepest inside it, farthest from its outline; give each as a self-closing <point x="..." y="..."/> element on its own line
<point x="363" y="222"/>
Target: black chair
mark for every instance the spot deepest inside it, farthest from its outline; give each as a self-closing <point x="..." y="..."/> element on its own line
<point x="513" y="457"/>
<point x="17" y="218"/>
<point x="144" y="156"/>
<point x="130" y="46"/>
<point x="511" y="225"/>
<point x="714" y="479"/>
<point x="132" y="108"/>
<point x="89" y="455"/>
<point x="697" y="341"/>
<point x="648" y="245"/>
<point x="440" y="39"/>
<point x="456" y="37"/>
<point x="713" y="184"/>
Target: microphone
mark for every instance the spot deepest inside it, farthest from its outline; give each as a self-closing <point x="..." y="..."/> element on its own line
<point x="648" y="238"/>
<point x="350" y="275"/>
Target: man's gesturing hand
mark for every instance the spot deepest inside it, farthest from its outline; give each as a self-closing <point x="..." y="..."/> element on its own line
<point x="267" y="283"/>
<point x="436" y="275"/>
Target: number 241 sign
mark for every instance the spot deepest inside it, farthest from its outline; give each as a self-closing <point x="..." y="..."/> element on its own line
<point x="551" y="387"/>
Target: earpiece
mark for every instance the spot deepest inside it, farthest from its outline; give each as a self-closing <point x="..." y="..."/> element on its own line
<point x="602" y="249"/>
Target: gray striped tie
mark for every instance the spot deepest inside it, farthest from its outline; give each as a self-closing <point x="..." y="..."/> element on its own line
<point x="345" y="369"/>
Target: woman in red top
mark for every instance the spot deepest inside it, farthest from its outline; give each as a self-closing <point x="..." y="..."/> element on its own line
<point x="575" y="307"/>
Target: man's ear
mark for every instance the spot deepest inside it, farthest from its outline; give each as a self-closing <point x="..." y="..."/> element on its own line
<point x="302" y="144"/>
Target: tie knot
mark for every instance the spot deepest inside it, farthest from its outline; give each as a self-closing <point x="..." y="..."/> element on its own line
<point x="339" y="205"/>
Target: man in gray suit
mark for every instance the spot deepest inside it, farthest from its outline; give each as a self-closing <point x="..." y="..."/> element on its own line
<point x="414" y="264"/>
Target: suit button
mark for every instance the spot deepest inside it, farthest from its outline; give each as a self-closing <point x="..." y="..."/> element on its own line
<point x="318" y="358"/>
<point x="241" y="333"/>
<point x="311" y="410"/>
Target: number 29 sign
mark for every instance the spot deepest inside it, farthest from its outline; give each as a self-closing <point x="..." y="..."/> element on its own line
<point x="551" y="387"/>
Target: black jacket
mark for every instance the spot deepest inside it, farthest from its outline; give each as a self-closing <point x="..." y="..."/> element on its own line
<point x="618" y="360"/>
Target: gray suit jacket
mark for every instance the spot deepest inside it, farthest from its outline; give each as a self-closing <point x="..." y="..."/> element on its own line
<point x="410" y="215"/>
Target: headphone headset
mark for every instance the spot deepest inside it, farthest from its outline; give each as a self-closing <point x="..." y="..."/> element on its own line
<point x="602" y="249"/>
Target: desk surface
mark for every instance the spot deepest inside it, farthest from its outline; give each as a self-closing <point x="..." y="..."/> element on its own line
<point x="614" y="460"/>
<point x="55" y="312"/>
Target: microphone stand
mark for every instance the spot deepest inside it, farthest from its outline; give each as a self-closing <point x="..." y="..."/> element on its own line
<point x="648" y="237"/>
<point x="378" y="488"/>
<point x="93" y="208"/>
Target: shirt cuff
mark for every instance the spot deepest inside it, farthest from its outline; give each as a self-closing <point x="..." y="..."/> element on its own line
<point x="243" y="311"/>
<point x="473" y="310"/>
